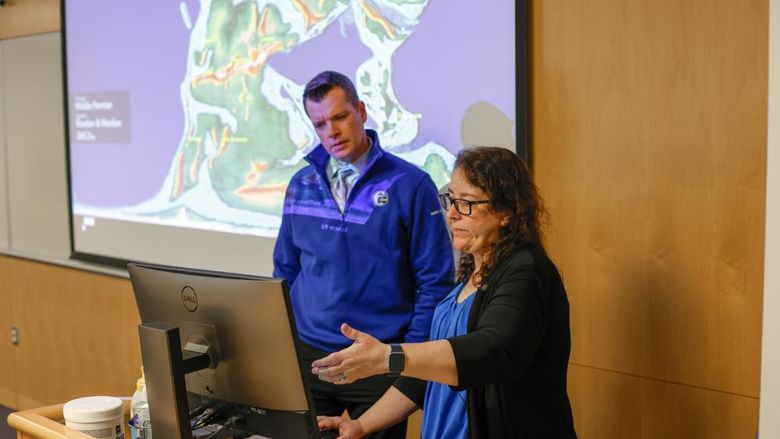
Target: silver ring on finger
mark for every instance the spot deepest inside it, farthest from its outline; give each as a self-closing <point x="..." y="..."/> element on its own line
<point x="342" y="378"/>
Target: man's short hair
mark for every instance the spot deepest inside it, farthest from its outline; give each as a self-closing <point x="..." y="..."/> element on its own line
<point x="326" y="81"/>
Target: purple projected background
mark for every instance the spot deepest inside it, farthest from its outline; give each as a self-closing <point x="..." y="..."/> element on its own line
<point x="137" y="47"/>
<point x="459" y="54"/>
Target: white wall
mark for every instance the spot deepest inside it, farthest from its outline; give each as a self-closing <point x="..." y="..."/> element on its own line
<point x="35" y="147"/>
<point x="33" y="185"/>
<point x="4" y="214"/>
<point x="769" y="424"/>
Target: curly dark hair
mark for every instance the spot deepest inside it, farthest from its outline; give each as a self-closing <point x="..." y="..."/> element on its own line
<point x="506" y="181"/>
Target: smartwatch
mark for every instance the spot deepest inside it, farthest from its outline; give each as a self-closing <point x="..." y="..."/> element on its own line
<point x="395" y="361"/>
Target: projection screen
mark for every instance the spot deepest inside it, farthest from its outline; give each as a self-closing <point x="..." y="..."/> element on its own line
<point x="185" y="120"/>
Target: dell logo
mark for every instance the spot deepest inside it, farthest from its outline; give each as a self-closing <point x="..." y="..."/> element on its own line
<point x="189" y="299"/>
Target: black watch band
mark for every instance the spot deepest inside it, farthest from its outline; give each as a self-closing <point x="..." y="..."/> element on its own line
<point x="396" y="360"/>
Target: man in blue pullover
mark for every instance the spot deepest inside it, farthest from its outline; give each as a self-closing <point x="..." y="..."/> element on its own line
<point x="362" y="241"/>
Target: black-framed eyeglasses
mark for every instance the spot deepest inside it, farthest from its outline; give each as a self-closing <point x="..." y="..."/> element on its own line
<point x="462" y="206"/>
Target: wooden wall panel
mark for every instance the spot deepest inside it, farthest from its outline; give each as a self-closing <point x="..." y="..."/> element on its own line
<point x="78" y="332"/>
<point x="7" y="370"/>
<point x="649" y="146"/>
<point x="28" y="17"/>
<point x="642" y="408"/>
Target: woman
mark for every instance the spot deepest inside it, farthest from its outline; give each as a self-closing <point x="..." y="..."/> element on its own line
<point x="497" y="360"/>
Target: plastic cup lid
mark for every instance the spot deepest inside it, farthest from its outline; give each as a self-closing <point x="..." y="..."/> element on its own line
<point x="92" y="409"/>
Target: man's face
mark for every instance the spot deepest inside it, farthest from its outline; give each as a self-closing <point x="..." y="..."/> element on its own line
<point x="339" y="125"/>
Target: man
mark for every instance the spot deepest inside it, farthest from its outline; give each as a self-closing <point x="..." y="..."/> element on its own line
<point x="362" y="241"/>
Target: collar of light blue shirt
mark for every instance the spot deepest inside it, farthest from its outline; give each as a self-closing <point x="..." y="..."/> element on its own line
<point x="358" y="166"/>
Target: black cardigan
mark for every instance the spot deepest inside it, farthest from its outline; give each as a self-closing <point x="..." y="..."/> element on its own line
<point x="514" y="358"/>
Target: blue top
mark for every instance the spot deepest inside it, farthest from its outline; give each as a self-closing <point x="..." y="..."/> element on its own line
<point x="445" y="409"/>
<point x="382" y="265"/>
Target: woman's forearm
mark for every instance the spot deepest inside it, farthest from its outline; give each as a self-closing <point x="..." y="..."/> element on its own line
<point x="430" y="361"/>
<point x="392" y="408"/>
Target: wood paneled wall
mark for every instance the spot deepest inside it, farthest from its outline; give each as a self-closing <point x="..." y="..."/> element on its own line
<point x="28" y="17"/>
<point x="649" y="142"/>
<point x="7" y="369"/>
<point x="78" y="334"/>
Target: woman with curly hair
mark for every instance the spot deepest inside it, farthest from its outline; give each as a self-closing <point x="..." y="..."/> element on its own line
<point x="497" y="360"/>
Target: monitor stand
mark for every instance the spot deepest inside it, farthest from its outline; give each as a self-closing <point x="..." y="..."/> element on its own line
<point x="165" y="364"/>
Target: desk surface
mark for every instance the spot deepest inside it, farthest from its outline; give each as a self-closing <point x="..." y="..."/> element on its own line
<point x="46" y="423"/>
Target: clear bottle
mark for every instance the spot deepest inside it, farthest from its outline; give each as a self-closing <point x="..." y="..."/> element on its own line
<point x="140" y="423"/>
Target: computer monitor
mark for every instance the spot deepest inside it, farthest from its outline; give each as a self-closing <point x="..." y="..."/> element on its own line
<point x="245" y="327"/>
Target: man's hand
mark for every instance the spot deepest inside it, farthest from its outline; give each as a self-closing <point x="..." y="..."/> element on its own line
<point x="366" y="357"/>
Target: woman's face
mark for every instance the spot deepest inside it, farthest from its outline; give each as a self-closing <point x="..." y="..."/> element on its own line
<point x="476" y="232"/>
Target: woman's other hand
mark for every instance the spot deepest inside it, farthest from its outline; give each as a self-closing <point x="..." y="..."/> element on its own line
<point x="348" y="428"/>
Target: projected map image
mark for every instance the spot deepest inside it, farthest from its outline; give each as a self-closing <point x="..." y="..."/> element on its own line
<point x="243" y="131"/>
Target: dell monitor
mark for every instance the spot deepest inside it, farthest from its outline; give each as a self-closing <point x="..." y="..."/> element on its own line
<point x="227" y="339"/>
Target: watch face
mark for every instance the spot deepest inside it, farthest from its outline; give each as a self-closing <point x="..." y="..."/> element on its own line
<point x="396" y="363"/>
